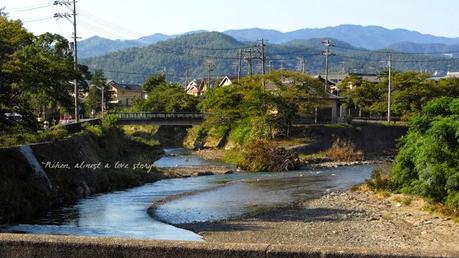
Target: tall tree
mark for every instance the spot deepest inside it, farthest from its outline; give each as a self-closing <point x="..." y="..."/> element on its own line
<point x="153" y="81"/>
<point x="34" y="73"/>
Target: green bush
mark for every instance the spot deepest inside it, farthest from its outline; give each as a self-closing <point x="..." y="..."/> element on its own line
<point x="95" y="130"/>
<point x="30" y="137"/>
<point x="110" y="121"/>
<point x="428" y="161"/>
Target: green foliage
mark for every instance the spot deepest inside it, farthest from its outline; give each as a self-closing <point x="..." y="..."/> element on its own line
<point x="379" y="180"/>
<point x="35" y="75"/>
<point x="95" y="130"/>
<point x="94" y="99"/>
<point x="28" y="137"/>
<point x="110" y="121"/>
<point x="250" y="111"/>
<point x="167" y="97"/>
<point x="410" y="93"/>
<point x="153" y="81"/>
<point x="428" y="161"/>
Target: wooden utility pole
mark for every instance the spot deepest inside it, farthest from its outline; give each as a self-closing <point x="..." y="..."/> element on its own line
<point x="389" y="89"/>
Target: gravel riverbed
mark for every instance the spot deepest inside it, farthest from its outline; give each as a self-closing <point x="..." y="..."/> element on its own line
<point x="352" y="219"/>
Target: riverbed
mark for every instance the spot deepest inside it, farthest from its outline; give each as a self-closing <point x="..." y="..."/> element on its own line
<point x="190" y="200"/>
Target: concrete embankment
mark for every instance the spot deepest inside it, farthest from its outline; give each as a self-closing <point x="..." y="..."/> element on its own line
<point x="18" y="246"/>
<point x="29" y="187"/>
<point x="373" y="140"/>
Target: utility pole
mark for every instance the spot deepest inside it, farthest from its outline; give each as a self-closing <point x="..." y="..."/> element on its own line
<point x="210" y="68"/>
<point x="75" y="48"/>
<point x="303" y="64"/>
<point x="186" y="77"/>
<point x="102" y="102"/>
<point x="239" y="68"/>
<point x="261" y="49"/>
<point x="270" y="66"/>
<point x="389" y="90"/>
<point x="249" y="59"/>
<point x="328" y="44"/>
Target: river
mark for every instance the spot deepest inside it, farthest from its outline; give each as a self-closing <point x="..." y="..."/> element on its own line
<point x="207" y="198"/>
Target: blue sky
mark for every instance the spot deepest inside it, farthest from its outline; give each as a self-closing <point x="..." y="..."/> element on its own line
<point x="135" y="18"/>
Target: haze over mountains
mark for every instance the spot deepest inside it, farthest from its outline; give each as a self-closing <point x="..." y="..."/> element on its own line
<point x="369" y="37"/>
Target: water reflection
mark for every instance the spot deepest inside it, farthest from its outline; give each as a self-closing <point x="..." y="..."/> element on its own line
<point x="124" y="213"/>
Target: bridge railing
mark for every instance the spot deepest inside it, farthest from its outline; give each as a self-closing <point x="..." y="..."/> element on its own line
<point x="150" y="116"/>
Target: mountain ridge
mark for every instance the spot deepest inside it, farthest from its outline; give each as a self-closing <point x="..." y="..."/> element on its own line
<point x="369" y="37"/>
<point x="187" y="56"/>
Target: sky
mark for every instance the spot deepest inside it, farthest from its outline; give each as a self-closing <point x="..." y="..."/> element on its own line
<point x="129" y="19"/>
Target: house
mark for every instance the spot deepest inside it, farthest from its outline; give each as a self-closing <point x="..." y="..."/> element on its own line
<point x="228" y="80"/>
<point x="196" y="87"/>
<point x="124" y="94"/>
<point x="330" y="108"/>
<point x="452" y="75"/>
<point x="336" y="79"/>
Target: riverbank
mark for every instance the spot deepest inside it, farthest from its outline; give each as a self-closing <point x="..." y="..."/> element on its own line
<point x="37" y="178"/>
<point x="353" y="219"/>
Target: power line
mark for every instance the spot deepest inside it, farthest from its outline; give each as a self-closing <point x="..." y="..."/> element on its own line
<point x="28" y="8"/>
<point x="396" y="52"/>
<point x="37" y="19"/>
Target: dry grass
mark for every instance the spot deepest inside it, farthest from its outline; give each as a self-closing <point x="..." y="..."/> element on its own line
<point x="343" y="150"/>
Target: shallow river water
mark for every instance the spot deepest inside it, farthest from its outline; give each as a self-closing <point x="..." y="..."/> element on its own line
<point x="124" y="213"/>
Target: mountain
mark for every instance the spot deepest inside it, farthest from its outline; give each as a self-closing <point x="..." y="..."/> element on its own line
<point x="440" y="49"/>
<point x="370" y="37"/>
<point x="98" y="46"/>
<point x="186" y="57"/>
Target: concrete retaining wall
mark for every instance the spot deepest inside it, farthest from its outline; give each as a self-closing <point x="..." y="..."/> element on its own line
<point x="18" y="246"/>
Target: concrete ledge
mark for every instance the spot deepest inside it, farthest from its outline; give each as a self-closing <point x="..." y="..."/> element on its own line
<point x="24" y="245"/>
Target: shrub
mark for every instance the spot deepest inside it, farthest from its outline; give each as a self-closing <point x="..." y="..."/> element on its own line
<point x="263" y="155"/>
<point x="95" y="130"/>
<point x="343" y="150"/>
<point x="428" y="161"/>
<point x="110" y="121"/>
<point x="379" y="180"/>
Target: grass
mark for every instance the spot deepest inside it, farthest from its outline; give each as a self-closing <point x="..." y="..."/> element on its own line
<point x="343" y="150"/>
<point x="28" y="137"/>
<point x="318" y="155"/>
<point x="382" y="188"/>
<point x="233" y="156"/>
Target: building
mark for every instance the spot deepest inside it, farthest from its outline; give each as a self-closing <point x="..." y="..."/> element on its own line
<point x="452" y="75"/>
<point x="228" y="80"/>
<point x="196" y="87"/>
<point x="124" y="94"/>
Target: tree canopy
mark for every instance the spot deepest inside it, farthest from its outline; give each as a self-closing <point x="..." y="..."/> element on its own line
<point x="35" y="73"/>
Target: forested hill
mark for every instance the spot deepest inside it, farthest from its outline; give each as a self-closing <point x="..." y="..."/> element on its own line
<point x="191" y="54"/>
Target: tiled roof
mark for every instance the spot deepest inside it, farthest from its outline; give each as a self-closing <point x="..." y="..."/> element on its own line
<point x="123" y="86"/>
